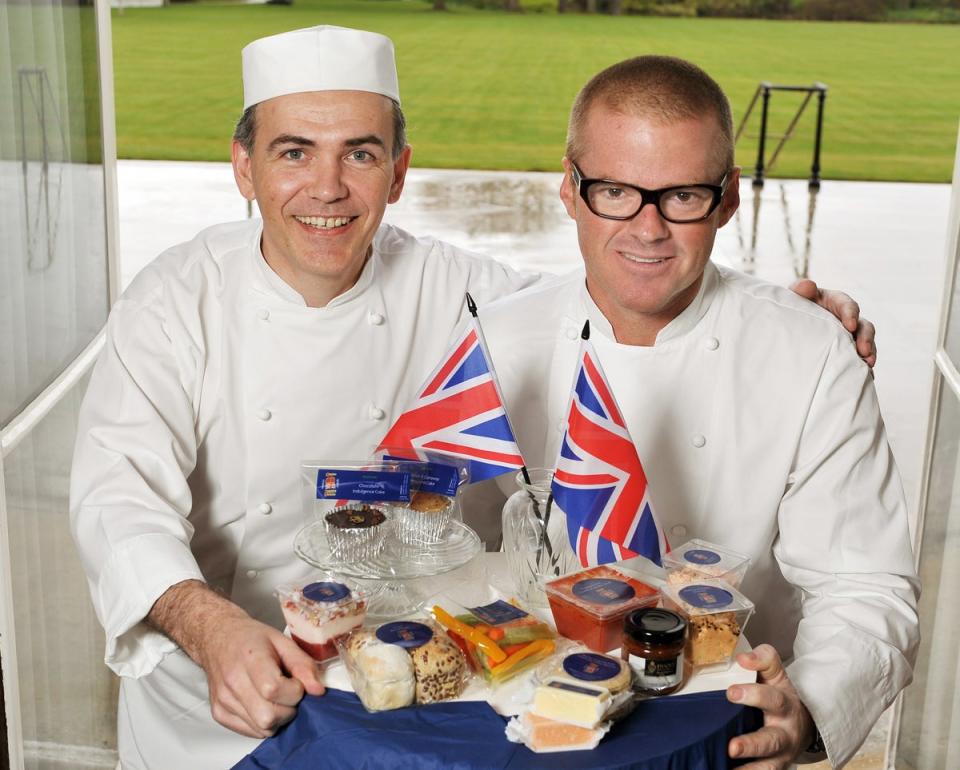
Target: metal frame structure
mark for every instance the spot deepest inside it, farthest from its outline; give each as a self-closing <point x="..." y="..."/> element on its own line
<point x="764" y="92"/>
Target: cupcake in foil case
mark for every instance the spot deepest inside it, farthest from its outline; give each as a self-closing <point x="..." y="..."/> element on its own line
<point x="356" y="531"/>
<point x="424" y="519"/>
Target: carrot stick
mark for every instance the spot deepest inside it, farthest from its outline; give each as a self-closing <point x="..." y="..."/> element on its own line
<point x="471" y="634"/>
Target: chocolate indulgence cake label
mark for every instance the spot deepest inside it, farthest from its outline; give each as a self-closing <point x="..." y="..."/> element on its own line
<point x="340" y="484"/>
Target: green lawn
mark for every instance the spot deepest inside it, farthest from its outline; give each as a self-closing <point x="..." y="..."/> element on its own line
<point x="492" y="90"/>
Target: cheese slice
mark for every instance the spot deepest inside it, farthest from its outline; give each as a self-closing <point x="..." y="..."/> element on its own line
<point x="576" y="704"/>
<point x="546" y="735"/>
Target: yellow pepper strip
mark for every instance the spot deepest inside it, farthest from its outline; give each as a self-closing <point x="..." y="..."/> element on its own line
<point x="484" y="642"/>
<point x="546" y="646"/>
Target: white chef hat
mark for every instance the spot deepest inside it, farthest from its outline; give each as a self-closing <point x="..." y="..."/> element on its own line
<point x="320" y="58"/>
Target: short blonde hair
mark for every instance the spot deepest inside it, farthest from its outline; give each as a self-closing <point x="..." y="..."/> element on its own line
<point x="660" y="87"/>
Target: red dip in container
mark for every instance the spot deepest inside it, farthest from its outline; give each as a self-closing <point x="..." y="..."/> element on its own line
<point x="590" y="605"/>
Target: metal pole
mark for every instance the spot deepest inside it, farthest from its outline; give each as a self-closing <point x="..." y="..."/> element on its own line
<point x="758" y="171"/>
<point x="815" y="168"/>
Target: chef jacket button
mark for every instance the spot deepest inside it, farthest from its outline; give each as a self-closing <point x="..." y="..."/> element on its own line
<point x="698" y="440"/>
<point x="375" y="319"/>
<point x="265" y="508"/>
<point x="252" y="573"/>
<point x="264" y="414"/>
<point x="572" y="333"/>
<point x="263" y="314"/>
<point x="561" y="424"/>
<point x="712" y="343"/>
<point x="376" y="413"/>
<point x="679" y="530"/>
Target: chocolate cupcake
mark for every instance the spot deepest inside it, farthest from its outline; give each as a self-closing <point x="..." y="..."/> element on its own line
<point x="423" y="519"/>
<point x="356" y="531"/>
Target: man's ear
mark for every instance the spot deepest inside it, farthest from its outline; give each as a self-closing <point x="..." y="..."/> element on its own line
<point x="400" y="166"/>
<point x="731" y="198"/>
<point x="567" y="193"/>
<point x="240" y="159"/>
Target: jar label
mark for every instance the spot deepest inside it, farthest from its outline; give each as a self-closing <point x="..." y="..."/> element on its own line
<point x="405" y="633"/>
<point x="657" y="674"/>
<point x="498" y="612"/>
<point x="325" y="592"/>
<point x="701" y="556"/>
<point x="603" y="591"/>
<point x="590" y="667"/>
<point x="706" y="597"/>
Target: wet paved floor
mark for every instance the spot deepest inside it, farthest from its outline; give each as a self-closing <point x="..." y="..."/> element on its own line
<point x="882" y="243"/>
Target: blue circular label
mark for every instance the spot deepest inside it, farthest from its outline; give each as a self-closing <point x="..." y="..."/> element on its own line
<point x="701" y="556"/>
<point x="589" y="667"/>
<point x="405" y="633"/>
<point x="603" y="590"/>
<point x="325" y="592"/>
<point x="706" y="597"/>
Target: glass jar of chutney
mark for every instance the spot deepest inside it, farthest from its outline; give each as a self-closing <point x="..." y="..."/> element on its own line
<point x="653" y="641"/>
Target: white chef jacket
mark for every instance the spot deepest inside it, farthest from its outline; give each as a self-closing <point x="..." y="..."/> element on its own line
<point x="759" y="429"/>
<point x="215" y="382"/>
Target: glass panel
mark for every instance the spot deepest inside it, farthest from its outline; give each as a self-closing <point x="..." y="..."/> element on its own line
<point x="930" y="722"/>
<point x="53" y="261"/>
<point x="952" y="341"/>
<point x="68" y="697"/>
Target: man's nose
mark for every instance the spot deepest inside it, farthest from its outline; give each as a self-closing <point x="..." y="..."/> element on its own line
<point x="326" y="180"/>
<point x="649" y="225"/>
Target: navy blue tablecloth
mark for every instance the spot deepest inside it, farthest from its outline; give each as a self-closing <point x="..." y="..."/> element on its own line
<point x="686" y="732"/>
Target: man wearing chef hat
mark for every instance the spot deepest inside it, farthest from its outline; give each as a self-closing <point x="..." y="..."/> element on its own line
<point x="757" y="426"/>
<point x="228" y="361"/>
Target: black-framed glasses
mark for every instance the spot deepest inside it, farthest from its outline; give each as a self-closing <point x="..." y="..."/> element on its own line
<point x="618" y="200"/>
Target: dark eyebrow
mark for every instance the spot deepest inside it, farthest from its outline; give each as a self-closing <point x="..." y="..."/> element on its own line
<point x="290" y="139"/>
<point x="368" y="139"/>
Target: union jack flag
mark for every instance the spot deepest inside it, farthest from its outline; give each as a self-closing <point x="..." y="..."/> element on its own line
<point x="599" y="482"/>
<point x="459" y="413"/>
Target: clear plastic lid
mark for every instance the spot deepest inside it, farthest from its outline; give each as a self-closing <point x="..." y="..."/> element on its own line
<point x="602" y="592"/>
<point x="707" y="597"/>
<point x="323" y="597"/>
<point x="698" y="559"/>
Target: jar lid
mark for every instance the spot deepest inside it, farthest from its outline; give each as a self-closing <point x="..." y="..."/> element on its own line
<point x="656" y="625"/>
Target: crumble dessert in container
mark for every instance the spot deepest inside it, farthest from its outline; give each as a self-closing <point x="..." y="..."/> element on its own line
<point x="698" y="560"/>
<point x="319" y="612"/>
<point x="716" y="614"/>
<point x="590" y="605"/>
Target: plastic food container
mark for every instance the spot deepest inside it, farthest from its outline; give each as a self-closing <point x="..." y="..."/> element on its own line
<point x="499" y="639"/>
<point x="403" y="662"/>
<point x="590" y="605"/>
<point x="320" y="611"/>
<point x="716" y="615"/>
<point x="698" y="560"/>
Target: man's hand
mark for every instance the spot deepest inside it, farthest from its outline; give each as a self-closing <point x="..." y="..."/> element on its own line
<point x="787" y="726"/>
<point x="256" y="675"/>
<point x="847" y="312"/>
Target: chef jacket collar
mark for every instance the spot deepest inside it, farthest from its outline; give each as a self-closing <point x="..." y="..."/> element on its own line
<point x="286" y="292"/>
<point x="679" y="326"/>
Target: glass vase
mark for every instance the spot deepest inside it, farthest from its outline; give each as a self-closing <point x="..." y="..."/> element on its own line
<point x="535" y="538"/>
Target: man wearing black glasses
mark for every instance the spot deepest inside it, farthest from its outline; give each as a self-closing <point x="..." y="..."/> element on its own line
<point x="757" y="424"/>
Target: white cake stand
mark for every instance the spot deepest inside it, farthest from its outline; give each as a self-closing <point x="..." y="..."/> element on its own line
<point x="389" y="577"/>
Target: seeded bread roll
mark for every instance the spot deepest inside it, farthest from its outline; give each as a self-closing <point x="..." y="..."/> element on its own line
<point x="440" y="669"/>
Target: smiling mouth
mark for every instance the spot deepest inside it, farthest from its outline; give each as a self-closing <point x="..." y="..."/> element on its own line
<point x="643" y="260"/>
<point x="325" y="223"/>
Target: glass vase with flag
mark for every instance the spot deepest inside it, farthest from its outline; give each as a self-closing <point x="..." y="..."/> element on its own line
<point x="599" y="482"/>
<point x="459" y="413"/>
